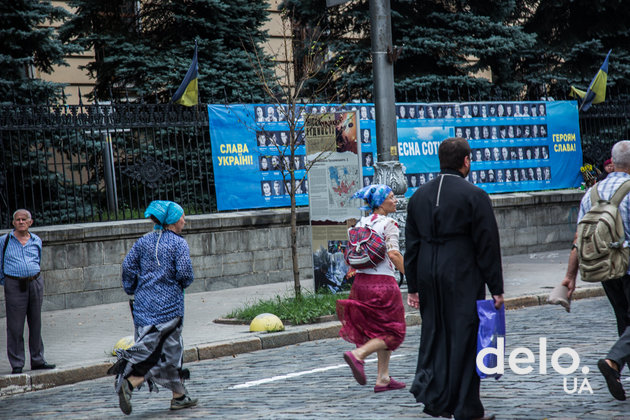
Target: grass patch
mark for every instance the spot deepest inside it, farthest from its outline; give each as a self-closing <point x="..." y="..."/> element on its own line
<point x="304" y="310"/>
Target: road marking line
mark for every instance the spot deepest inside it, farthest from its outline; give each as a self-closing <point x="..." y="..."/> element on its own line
<point x="296" y="374"/>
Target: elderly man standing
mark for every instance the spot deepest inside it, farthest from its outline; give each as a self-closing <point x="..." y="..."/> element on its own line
<point x="452" y="253"/>
<point x="23" y="292"/>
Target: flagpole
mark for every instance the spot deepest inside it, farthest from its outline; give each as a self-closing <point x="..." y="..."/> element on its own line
<point x="198" y="96"/>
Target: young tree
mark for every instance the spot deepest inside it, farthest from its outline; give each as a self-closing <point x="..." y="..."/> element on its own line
<point x="288" y="93"/>
<point x="145" y="47"/>
<point x="28" y="45"/>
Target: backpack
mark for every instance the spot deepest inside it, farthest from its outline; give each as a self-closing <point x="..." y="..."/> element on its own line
<point x="602" y="250"/>
<point x="366" y="248"/>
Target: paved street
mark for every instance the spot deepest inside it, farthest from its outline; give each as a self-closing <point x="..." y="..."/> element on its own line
<point x="310" y="380"/>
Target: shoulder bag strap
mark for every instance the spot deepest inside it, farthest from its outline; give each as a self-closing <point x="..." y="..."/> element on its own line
<point x="4" y="250"/>
<point x="621" y="192"/>
<point x="594" y="195"/>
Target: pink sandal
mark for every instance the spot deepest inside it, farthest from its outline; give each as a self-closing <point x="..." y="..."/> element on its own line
<point x="390" y="386"/>
<point x="357" y="367"/>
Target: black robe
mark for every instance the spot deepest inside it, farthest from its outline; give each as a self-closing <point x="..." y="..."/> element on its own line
<point x="452" y="252"/>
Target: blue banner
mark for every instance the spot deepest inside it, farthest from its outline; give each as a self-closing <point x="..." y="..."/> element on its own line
<point x="516" y="146"/>
<point x="250" y="148"/>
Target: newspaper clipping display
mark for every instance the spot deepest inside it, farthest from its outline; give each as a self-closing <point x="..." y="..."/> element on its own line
<point x="334" y="152"/>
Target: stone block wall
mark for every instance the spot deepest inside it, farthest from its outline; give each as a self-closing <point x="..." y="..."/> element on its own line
<point x="81" y="263"/>
<point x="536" y="221"/>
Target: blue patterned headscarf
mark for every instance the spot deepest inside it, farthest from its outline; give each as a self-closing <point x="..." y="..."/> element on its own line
<point x="374" y="195"/>
<point x="167" y="212"/>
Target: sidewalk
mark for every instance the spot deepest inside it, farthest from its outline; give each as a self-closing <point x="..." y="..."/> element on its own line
<point x="80" y="341"/>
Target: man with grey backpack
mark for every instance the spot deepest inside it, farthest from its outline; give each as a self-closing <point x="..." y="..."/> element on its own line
<point x="600" y="252"/>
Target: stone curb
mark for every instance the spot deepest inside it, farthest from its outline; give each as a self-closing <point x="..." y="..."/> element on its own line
<point x="16" y="384"/>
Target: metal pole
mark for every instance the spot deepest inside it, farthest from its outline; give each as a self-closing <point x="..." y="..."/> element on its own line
<point x="388" y="170"/>
<point x="383" y="71"/>
<point x="110" y="175"/>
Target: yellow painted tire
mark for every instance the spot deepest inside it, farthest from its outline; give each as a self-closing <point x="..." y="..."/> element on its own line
<point x="266" y="322"/>
<point x="123" y="344"/>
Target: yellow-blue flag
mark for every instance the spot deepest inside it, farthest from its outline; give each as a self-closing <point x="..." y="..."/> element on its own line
<point x="596" y="92"/>
<point x="188" y="92"/>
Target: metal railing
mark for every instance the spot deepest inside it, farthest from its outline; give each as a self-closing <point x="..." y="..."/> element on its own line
<point x="601" y="127"/>
<point x="76" y="164"/>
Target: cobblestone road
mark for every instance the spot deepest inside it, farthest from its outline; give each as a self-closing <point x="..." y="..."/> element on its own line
<point x="311" y="380"/>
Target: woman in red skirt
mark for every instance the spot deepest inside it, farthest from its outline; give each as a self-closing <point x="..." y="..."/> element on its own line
<point x="373" y="316"/>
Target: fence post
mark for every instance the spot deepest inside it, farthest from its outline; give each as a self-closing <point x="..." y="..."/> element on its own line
<point x="110" y="175"/>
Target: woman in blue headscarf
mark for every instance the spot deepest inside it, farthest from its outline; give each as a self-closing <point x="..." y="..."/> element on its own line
<point x="156" y="271"/>
<point x="373" y="316"/>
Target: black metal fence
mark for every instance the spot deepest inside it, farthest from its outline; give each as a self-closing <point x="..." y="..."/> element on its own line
<point x="77" y="164"/>
<point x="602" y="126"/>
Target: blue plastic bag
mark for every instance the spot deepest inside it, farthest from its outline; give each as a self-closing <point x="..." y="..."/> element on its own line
<point x="491" y="327"/>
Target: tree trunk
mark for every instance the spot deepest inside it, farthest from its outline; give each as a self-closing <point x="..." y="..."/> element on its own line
<point x="294" y="248"/>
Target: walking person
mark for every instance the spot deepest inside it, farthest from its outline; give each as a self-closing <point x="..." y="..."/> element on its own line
<point x="23" y="292"/>
<point x="373" y="316"/>
<point x="156" y="271"/>
<point x="617" y="290"/>
<point x="452" y="253"/>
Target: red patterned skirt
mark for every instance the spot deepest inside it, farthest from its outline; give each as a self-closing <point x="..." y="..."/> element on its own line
<point x="374" y="309"/>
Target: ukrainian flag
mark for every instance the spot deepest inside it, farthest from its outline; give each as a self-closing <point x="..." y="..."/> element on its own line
<point x="596" y="92"/>
<point x="188" y="92"/>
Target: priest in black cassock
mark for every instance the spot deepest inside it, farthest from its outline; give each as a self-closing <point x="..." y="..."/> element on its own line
<point x="452" y="253"/>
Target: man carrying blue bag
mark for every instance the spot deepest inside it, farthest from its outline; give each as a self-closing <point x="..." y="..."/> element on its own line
<point x="452" y="253"/>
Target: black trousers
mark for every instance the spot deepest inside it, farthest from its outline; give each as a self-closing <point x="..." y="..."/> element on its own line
<point x="618" y="293"/>
<point x="24" y="305"/>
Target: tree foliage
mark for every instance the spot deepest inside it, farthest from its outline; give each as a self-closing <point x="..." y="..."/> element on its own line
<point x="535" y="46"/>
<point x="28" y="45"/>
<point x="444" y="43"/>
<point x="146" y="47"/>
<point x="573" y="37"/>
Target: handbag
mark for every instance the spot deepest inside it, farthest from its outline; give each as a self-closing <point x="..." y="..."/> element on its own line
<point x="491" y="327"/>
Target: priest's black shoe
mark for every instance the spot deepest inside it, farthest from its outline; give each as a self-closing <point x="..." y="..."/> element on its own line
<point x="16" y="371"/>
<point x="44" y="366"/>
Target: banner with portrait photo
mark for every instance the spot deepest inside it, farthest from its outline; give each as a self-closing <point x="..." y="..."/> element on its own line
<point x="516" y="146"/>
<point x="250" y="155"/>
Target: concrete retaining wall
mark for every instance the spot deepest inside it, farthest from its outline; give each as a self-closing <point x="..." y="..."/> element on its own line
<point x="538" y="221"/>
<point x="81" y="263"/>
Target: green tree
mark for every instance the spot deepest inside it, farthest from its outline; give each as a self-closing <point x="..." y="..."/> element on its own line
<point x="27" y="44"/>
<point x="573" y="37"/>
<point x="29" y="177"/>
<point x="444" y="43"/>
<point x="145" y="47"/>
<point x="288" y="93"/>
